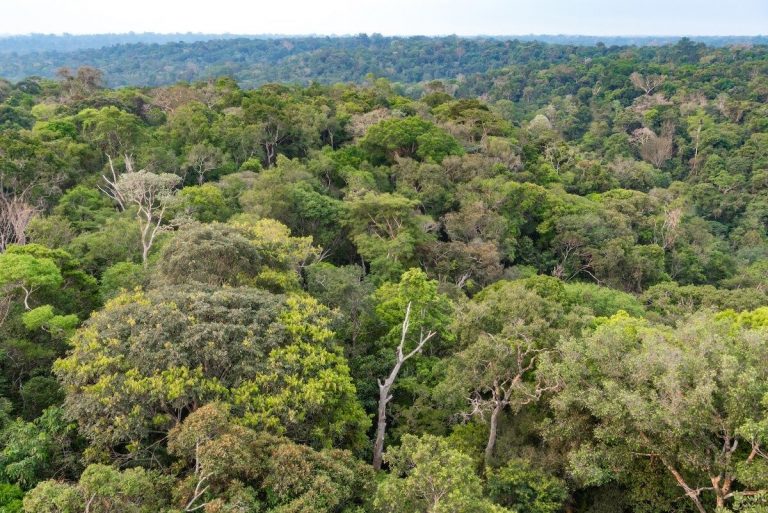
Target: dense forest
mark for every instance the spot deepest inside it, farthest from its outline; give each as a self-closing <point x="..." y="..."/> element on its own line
<point x="539" y="285"/>
<point x="35" y="43"/>
<point x="156" y="60"/>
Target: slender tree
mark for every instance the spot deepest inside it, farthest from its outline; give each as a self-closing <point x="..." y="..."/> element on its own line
<point x="386" y="385"/>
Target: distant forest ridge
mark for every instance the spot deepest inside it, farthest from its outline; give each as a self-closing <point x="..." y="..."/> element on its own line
<point x="32" y="43"/>
<point x="161" y="59"/>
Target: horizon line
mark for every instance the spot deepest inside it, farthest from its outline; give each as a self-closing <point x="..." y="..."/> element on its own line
<point x="319" y="34"/>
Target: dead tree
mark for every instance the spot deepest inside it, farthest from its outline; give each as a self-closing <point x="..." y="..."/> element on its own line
<point x="667" y="230"/>
<point x="15" y="213"/>
<point x="386" y="385"/>
<point x="110" y="182"/>
<point x="151" y="194"/>
<point x="655" y="149"/>
<point x="646" y="83"/>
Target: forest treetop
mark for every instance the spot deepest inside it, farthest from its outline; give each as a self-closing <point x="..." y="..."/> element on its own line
<point x="163" y="60"/>
<point x="534" y="288"/>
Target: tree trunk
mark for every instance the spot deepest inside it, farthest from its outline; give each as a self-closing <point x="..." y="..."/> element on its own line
<point x="381" y="422"/>
<point x="381" y="427"/>
<point x="492" y="431"/>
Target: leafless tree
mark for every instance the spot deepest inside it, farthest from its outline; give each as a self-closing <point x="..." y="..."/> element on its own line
<point x="5" y="305"/>
<point x="695" y="160"/>
<point x="84" y="82"/>
<point x="646" y="83"/>
<point x="151" y="194"/>
<point x="386" y="385"/>
<point x="668" y="229"/>
<point x="203" y="158"/>
<point x="360" y="123"/>
<point x="201" y="487"/>
<point x="655" y="149"/>
<point x="110" y="182"/>
<point x="15" y="213"/>
<point x="731" y="109"/>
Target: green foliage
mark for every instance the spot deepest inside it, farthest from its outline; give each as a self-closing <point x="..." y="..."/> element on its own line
<point x="409" y="137"/>
<point x="430" y="310"/>
<point x="305" y="390"/>
<point x="280" y="475"/>
<point x="103" y="489"/>
<point x="385" y="228"/>
<point x="204" y="203"/>
<point x="10" y="498"/>
<point x="603" y="300"/>
<point x="242" y="344"/>
<point x="85" y="208"/>
<point x="670" y="393"/>
<point x="427" y="474"/>
<point x="26" y="273"/>
<point x="521" y="487"/>
<point x="122" y="277"/>
<point x="583" y="226"/>
<point x="113" y="131"/>
<point x="118" y="240"/>
<point x="212" y="254"/>
<point x="37" y="450"/>
<point x="43" y="316"/>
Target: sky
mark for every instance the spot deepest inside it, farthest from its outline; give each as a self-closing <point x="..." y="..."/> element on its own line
<point x="388" y="17"/>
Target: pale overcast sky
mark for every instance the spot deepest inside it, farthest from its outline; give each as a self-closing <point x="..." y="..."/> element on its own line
<point x="429" y="17"/>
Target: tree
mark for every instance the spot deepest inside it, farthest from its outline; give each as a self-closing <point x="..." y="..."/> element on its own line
<point x="149" y="359"/>
<point x="103" y="489"/>
<point x="647" y="83"/>
<point x="113" y="131"/>
<point x="347" y="290"/>
<point x="190" y="123"/>
<point x="10" y="498"/>
<point x="305" y="390"/>
<point x="429" y="312"/>
<point x="384" y="386"/>
<point x="213" y="254"/>
<point x="282" y="256"/>
<point x="429" y="475"/>
<point x="409" y="137"/>
<point x="496" y="372"/>
<point x="204" y="203"/>
<point x="84" y="208"/>
<point x="27" y="273"/>
<point x="504" y="331"/>
<point x="203" y="158"/>
<point x="386" y="230"/>
<point x="224" y="461"/>
<point x="85" y="82"/>
<point x="47" y="447"/>
<point x="656" y="149"/>
<point x="118" y="240"/>
<point x="150" y="194"/>
<point x="466" y="265"/>
<point x="15" y="216"/>
<point x="689" y="398"/>
<point x="282" y="121"/>
<point x="521" y="487"/>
